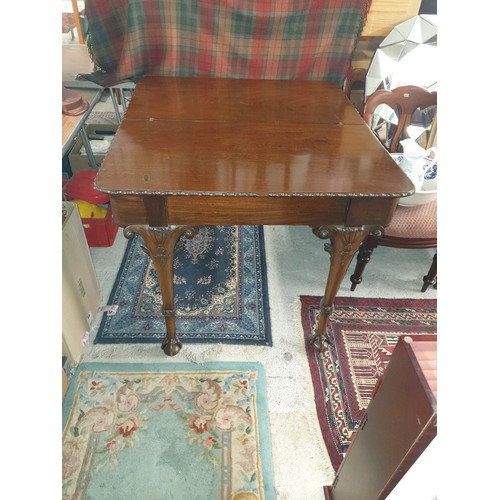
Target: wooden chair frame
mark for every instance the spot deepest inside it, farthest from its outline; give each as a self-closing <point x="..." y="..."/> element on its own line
<point x="404" y="101"/>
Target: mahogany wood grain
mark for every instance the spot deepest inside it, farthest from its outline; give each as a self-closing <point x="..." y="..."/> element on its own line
<point x="295" y="137"/>
<point x="248" y="159"/>
<point x="203" y="151"/>
<point x="235" y="100"/>
<point x="225" y="210"/>
<point x="399" y="423"/>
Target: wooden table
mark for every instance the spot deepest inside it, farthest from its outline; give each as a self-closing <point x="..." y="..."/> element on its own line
<point x="201" y="151"/>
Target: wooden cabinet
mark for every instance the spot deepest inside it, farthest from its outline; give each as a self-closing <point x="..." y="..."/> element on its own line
<point x="399" y="423"/>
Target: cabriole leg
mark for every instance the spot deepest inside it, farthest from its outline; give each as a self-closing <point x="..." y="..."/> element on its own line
<point x="344" y="242"/>
<point x="160" y="245"/>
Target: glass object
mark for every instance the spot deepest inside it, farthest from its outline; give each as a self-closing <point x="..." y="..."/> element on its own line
<point x="406" y="56"/>
<point x="385" y="123"/>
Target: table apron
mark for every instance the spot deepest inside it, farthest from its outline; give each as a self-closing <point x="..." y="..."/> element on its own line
<point x="164" y="210"/>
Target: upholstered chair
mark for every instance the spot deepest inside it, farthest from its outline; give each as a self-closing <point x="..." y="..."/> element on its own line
<point x="411" y="227"/>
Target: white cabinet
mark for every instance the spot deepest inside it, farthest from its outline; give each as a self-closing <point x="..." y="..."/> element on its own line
<point x="81" y="296"/>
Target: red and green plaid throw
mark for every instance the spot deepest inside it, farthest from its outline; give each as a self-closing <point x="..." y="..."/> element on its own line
<point x="265" y="39"/>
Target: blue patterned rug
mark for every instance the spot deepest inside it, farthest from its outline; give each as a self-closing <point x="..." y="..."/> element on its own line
<point x="220" y="288"/>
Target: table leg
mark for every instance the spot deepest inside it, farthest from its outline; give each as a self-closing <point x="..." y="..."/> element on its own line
<point x="344" y="242"/>
<point x="160" y="246"/>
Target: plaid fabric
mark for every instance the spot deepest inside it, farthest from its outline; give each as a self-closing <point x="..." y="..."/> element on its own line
<point x="280" y="39"/>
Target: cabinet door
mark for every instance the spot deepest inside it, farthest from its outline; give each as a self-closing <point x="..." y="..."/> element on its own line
<point x="398" y="425"/>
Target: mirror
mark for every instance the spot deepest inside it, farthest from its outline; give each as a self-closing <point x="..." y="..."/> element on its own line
<point x="407" y="56"/>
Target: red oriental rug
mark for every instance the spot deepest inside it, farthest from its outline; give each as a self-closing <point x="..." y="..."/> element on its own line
<point x="364" y="333"/>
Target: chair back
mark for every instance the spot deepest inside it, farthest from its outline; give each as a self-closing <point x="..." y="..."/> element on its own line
<point x="405" y="101"/>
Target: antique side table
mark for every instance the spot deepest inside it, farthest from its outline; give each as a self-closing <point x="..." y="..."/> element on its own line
<point x="212" y="151"/>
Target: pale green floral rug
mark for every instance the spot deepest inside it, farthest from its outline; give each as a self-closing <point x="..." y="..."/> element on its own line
<point x="167" y="431"/>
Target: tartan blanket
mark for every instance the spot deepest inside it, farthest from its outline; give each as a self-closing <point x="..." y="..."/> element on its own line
<point x="263" y="39"/>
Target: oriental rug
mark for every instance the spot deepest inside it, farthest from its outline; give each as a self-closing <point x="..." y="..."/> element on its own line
<point x="363" y="334"/>
<point x="170" y="430"/>
<point x="220" y="288"/>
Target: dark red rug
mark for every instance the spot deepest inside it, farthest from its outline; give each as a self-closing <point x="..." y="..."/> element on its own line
<point x="364" y="333"/>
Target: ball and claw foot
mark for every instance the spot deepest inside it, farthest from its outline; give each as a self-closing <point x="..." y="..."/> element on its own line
<point x="171" y="347"/>
<point x="321" y="342"/>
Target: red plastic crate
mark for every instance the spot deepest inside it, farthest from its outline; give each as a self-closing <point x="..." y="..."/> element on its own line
<point x="100" y="232"/>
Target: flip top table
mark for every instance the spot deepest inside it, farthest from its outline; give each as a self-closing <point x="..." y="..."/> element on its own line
<point x="212" y="151"/>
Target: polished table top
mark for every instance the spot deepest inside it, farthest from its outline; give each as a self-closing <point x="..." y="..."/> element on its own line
<point x="252" y="138"/>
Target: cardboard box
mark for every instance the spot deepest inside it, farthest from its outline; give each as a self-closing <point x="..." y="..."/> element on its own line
<point x="81" y="295"/>
<point x="79" y="161"/>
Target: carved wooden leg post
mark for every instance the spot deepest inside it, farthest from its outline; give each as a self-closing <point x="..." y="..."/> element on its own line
<point x="344" y="241"/>
<point x="160" y="246"/>
<point x="430" y="277"/>
<point x="364" y="256"/>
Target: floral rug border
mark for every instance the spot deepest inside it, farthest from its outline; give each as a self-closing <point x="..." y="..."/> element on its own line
<point x="231" y="406"/>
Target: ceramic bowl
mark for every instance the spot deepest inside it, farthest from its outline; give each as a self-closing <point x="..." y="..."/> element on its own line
<point x="428" y="192"/>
